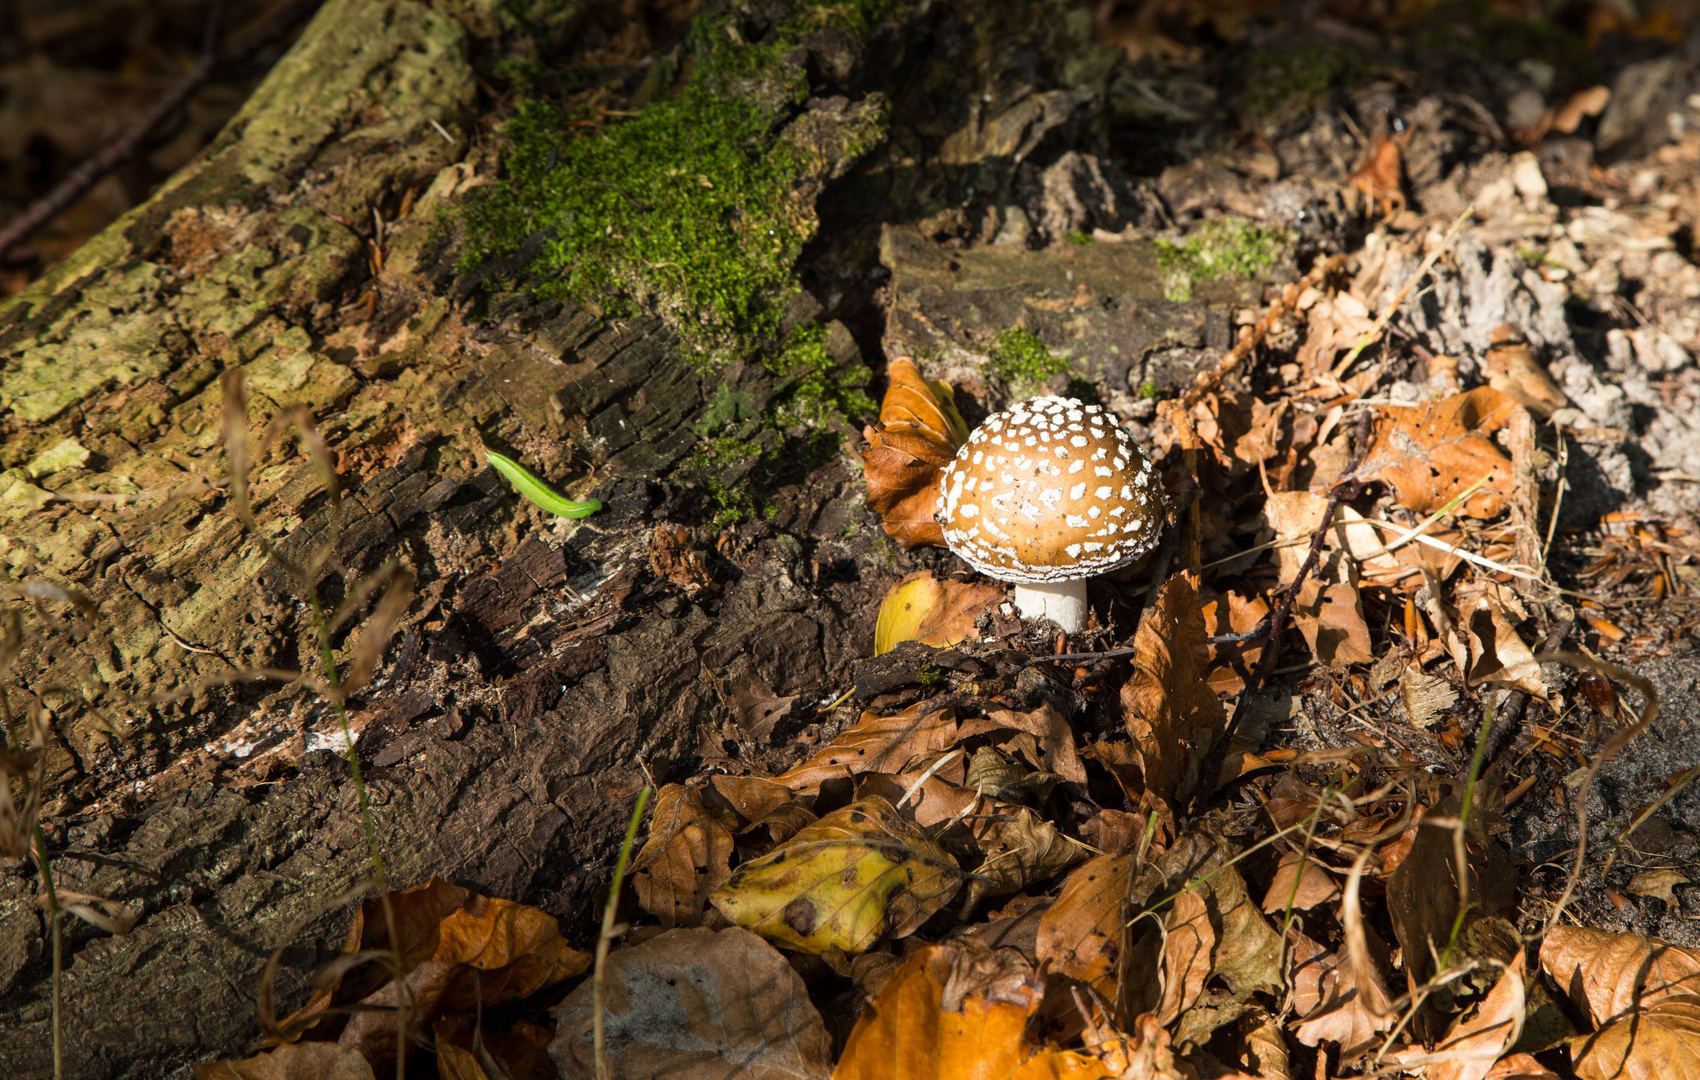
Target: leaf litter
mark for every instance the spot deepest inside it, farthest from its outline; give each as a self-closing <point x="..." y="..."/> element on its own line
<point x="1052" y="872"/>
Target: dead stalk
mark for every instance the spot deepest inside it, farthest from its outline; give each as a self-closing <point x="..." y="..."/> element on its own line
<point x="598" y="1006"/>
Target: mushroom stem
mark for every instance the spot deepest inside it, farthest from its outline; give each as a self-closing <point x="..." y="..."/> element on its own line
<point x="1062" y="602"/>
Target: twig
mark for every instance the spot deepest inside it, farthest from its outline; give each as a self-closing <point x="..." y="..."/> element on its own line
<point x="598" y="1036"/>
<point x="125" y="146"/>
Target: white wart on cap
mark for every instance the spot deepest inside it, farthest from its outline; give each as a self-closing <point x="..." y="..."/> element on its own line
<point x="1046" y="494"/>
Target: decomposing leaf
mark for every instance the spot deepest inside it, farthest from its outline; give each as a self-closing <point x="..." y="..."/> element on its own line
<point x="696" y="1004"/>
<point x="1167" y="704"/>
<point x="1021" y="848"/>
<point x="756" y="709"/>
<point x="296" y="1061"/>
<point x="1428" y="455"/>
<point x="876" y="744"/>
<point x="1658" y="884"/>
<point x="1328" y="609"/>
<point x="520" y="1053"/>
<point x="1609" y="974"/>
<point x="1657" y="1043"/>
<point x="1520" y="1067"/>
<point x="1231" y="665"/>
<point x="842" y="882"/>
<point x="939" y="613"/>
<point x="1469" y="1051"/>
<point x="1300" y="883"/>
<point x="1331" y="1005"/>
<point x="960" y="1011"/>
<point x="1082" y="933"/>
<point x="918" y="433"/>
<point x="1047" y="725"/>
<point x="686" y="857"/>
<point x="460" y="952"/>
<point x="1248" y="954"/>
<point x="1187" y="945"/>
<point x="1381" y="179"/>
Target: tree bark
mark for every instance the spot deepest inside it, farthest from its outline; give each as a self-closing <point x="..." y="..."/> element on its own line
<point x="522" y="705"/>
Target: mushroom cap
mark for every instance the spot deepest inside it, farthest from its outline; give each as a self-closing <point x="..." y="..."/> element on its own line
<point x="1050" y="489"/>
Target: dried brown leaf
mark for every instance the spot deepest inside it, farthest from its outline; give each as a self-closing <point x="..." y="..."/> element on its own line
<point x="753" y="797"/>
<point x="918" y="433"/>
<point x="1167" y="703"/>
<point x="1657" y="1043"/>
<point x="1610" y="974"/>
<point x="1520" y="1067"/>
<point x="1301" y="883"/>
<point x="1330" y="1004"/>
<point x="686" y="857"/>
<point x="1428" y="455"/>
<point x="1187" y="946"/>
<point x="1047" y="725"/>
<point x="1082" y="934"/>
<point x="1469" y="1052"/>
<point x="876" y="744"/>
<point x="1021" y="848"/>
<point x="1515" y="371"/>
<point x="696" y="1004"/>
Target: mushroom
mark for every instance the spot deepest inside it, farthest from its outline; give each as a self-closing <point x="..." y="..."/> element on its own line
<point x="1047" y="494"/>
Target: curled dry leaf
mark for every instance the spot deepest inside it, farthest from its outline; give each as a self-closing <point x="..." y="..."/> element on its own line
<point x="520" y="1053"/>
<point x="918" y="433"/>
<point x="1047" y="725"/>
<point x="938" y="613"/>
<point x="1187" y="948"/>
<point x="1657" y="1043"/>
<point x="298" y="1061"/>
<point x="753" y="797"/>
<point x="1612" y="974"/>
<point x="1657" y="883"/>
<point x="1021" y="848"/>
<point x="1498" y="653"/>
<point x="696" y="1004"/>
<point x="842" y="882"/>
<point x="1520" y="1067"/>
<point x="1469" y="1052"/>
<point x="876" y="744"/>
<point x="1428" y="455"/>
<point x="1328" y="610"/>
<point x="1330" y="1004"/>
<point x="1167" y="703"/>
<point x="1515" y="371"/>
<point x="686" y="857"/>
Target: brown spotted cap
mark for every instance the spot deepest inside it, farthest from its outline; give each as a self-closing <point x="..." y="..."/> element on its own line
<point x="1051" y="489"/>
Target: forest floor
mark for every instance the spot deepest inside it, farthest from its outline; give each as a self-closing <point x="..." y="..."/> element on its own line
<point x="1454" y="259"/>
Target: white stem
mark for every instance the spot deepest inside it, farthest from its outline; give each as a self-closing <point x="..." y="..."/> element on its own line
<point x="1062" y="602"/>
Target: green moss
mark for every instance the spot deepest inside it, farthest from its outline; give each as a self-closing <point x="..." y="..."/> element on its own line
<point x="1149" y="390"/>
<point x="1078" y="238"/>
<point x="1022" y="361"/>
<point x="930" y="675"/>
<point x="1222" y="247"/>
<point x="690" y="209"/>
<point x="814" y="389"/>
<point x="1472" y="27"/>
<point x="1282" y="86"/>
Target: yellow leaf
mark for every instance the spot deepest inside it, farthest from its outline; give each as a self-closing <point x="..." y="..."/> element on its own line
<point x="842" y="882"/>
<point x="933" y="612"/>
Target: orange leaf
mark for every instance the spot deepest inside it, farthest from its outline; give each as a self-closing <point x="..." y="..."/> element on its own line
<point x="1428" y="455"/>
<point x="912" y="1030"/>
<point x="1081" y="934"/>
<point x="1186" y="954"/>
<point x="918" y="433"/>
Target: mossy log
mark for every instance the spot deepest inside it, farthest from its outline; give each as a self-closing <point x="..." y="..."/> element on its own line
<point x="521" y="705"/>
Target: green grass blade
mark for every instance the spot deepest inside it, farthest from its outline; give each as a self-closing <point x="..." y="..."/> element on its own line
<point x="538" y="492"/>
